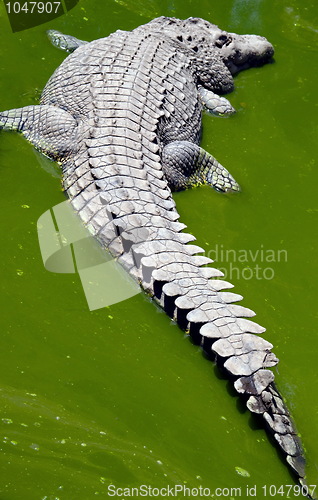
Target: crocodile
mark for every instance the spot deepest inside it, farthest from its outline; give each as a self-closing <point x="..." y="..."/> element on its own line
<point x="122" y="116"/>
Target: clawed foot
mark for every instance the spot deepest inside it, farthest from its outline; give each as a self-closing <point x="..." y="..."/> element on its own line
<point x="215" y="104"/>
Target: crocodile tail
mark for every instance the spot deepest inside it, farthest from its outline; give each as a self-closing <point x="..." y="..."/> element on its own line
<point x="195" y="296"/>
<point x="269" y="403"/>
<point x="136" y="218"/>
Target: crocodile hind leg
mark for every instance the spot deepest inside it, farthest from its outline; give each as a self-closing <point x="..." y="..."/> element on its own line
<point x="64" y="42"/>
<point x="51" y="130"/>
<point x="186" y="164"/>
<point x="214" y="103"/>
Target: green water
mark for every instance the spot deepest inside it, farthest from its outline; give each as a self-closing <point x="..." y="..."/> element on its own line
<point x="119" y="395"/>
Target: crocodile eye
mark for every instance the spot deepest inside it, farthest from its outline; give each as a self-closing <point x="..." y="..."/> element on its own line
<point x="223" y="40"/>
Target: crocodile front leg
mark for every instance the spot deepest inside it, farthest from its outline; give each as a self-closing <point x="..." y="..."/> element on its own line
<point x="186" y="164"/>
<point x="215" y="104"/>
<point x="64" y="42"/>
<point x="51" y="130"/>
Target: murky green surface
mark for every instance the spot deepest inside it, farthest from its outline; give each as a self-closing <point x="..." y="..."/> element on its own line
<point x="119" y="395"/>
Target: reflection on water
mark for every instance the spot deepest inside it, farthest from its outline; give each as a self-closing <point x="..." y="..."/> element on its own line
<point x="297" y="28"/>
<point x="36" y="430"/>
<point x="150" y="8"/>
<point x="249" y="10"/>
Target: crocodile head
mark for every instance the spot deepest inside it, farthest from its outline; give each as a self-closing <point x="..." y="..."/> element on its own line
<point x="240" y="52"/>
<point x="220" y="49"/>
<point x="237" y="51"/>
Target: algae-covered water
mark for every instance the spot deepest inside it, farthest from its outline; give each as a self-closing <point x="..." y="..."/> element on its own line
<point x="118" y="397"/>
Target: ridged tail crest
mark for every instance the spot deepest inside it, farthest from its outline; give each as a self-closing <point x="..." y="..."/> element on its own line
<point x="193" y="294"/>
